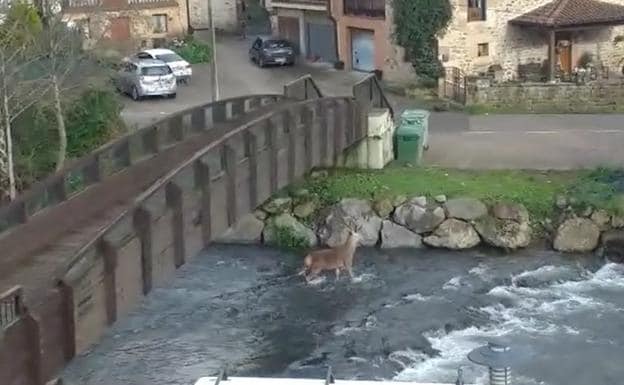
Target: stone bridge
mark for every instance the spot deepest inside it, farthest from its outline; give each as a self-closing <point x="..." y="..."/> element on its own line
<point x="81" y="248"/>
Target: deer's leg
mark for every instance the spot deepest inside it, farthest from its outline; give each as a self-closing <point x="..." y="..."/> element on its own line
<point x="313" y="274"/>
<point x="337" y="274"/>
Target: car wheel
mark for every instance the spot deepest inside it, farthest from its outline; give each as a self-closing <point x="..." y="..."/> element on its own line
<point x="172" y="96"/>
<point x="135" y="94"/>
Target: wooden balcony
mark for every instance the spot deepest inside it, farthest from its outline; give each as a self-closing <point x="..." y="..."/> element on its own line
<point x="369" y="8"/>
<point x="319" y="5"/>
<point x="113" y="5"/>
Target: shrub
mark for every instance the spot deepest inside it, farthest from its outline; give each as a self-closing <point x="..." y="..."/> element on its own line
<point x="418" y="24"/>
<point x="287" y="239"/>
<point x="91" y="120"/>
<point x="194" y="51"/>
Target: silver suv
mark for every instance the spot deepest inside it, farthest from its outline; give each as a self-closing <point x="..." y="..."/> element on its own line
<point x="146" y="77"/>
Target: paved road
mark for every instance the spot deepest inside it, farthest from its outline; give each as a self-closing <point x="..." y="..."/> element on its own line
<point x="527" y="141"/>
<point x="456" y="140"/>
<point x="237" y="76"/>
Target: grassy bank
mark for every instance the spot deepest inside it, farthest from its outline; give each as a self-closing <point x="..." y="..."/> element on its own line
<point x="555" y="108"/>
<point x="601" y="188"/>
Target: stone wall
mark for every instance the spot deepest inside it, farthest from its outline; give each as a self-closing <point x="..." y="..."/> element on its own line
<point x="224" y="13"/>
<point x="510" y="46"/>
<point x="544" y="97"/>
<point x="414" y="222"/>
<point x="97" y="25"/>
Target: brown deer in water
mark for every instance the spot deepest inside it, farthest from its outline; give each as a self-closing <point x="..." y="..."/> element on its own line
<point x="336" y="258"/>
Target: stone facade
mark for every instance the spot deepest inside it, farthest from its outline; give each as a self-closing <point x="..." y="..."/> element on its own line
<point x="224" y="13"/>
<point x="509" y="46"/>
<point x="142" y="32"/>
<point x="544" y="97"/>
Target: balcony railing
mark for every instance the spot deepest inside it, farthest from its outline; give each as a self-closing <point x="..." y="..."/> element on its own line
<point x="81" y="3"/>
<point x="296" y="3"/>
<point x="112" y="4"/>
<point x="476" y="14"/>
<point x="370" y="8"/>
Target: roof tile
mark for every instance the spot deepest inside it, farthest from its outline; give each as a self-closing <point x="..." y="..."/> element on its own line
<point x="572" y="13"/>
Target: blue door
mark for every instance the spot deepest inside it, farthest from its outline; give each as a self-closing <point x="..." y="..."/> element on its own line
<point x="362" y="50"/>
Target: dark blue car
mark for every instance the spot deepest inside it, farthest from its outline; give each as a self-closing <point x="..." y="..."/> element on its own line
<point x="272" y="51"/>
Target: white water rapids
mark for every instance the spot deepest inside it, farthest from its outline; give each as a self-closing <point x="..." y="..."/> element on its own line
<point x="408" y="315"/>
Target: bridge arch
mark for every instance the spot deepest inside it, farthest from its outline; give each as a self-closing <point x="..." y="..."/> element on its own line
<point x="180" y="213"/>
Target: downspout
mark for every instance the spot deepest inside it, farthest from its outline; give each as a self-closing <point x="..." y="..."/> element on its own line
<point x="335" y="23"/>
<point x="189" y="27"/>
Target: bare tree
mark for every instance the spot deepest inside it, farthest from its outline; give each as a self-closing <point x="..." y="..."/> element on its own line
<point x="19" y="90"/>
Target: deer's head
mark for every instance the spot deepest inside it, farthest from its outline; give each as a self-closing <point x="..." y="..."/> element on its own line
<point x="353" y="230"/>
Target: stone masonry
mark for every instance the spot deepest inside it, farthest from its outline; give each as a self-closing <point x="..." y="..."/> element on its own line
<point x="510" y="45"/>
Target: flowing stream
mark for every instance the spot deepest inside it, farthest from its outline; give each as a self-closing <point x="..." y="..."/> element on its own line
<point x="407" y="315"/>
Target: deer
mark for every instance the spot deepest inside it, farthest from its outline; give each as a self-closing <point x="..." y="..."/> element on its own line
<point x="335" y="258"/>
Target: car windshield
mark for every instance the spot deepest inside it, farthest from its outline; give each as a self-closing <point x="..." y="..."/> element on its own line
<point x="276" y="44"/>
<point x="155" y="71"/>
<point x="169" y="57"/>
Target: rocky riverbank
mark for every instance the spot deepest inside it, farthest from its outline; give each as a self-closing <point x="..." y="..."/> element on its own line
<point x="300" y="220"/>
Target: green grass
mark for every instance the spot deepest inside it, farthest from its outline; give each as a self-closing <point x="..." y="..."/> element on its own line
<point x="554" y="108"/>
<point x="536" y="190"/>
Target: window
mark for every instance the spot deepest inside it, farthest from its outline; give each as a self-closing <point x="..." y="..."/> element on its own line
<point x="159" y="23"/>
<point x="155" y="71"/>
<point x="483" y="49"/>
<point x="476" y="10"/>
<point x="169" y="57"/>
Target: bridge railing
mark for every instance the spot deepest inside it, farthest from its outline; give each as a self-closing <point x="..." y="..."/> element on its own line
<point x="369" y="93"/>
<point x="11" y="306"/>
<point x="198" y="201"/>
<point x="124" y="152"/>
<point x="303" y="88"/>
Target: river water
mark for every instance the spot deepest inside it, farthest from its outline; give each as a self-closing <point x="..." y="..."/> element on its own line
<point x="407" y="315"/>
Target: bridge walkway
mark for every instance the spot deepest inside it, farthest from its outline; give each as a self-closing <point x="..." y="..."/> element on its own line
<point x="33" y="252"/>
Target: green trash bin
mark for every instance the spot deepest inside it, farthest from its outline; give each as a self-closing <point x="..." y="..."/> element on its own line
<point x="412" y="135"/>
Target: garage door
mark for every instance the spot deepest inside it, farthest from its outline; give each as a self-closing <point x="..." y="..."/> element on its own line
<point x="362" y="50"/>
<point x="321" y="42"/>
<point x="288" y="28"/>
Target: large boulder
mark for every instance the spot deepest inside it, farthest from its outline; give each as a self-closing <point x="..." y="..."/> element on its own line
<point x="453" y="234"/>
<point x="275" y="226"/>
<point x="467" y="209"/>
<point x="247" y="230"/>
<point x="617" y="221"/>
<point x="507" y="227"/>
<point x="511" y="211"/>
<point x="383" y="207"/>
<point x="577" y="235"/>
<point x="352" y="212"/>
<point x="305" y="208"/>
<point x="417" y="218"/>
<point x="278" y="206"/>
<point x="613" y="245"/>
<point x="395" y="236"/>
<point x="601" y="218"/>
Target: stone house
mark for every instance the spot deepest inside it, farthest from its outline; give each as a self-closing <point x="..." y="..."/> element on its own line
<point x="509" y="35"/>
<point x="225" y="14"/>
<point x="355" y="32"/>
<point x="145" y="23"/>
<point x="128" y="23"/>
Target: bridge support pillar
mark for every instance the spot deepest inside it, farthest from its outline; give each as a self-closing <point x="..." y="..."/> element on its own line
<point x="376" y="149"/>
